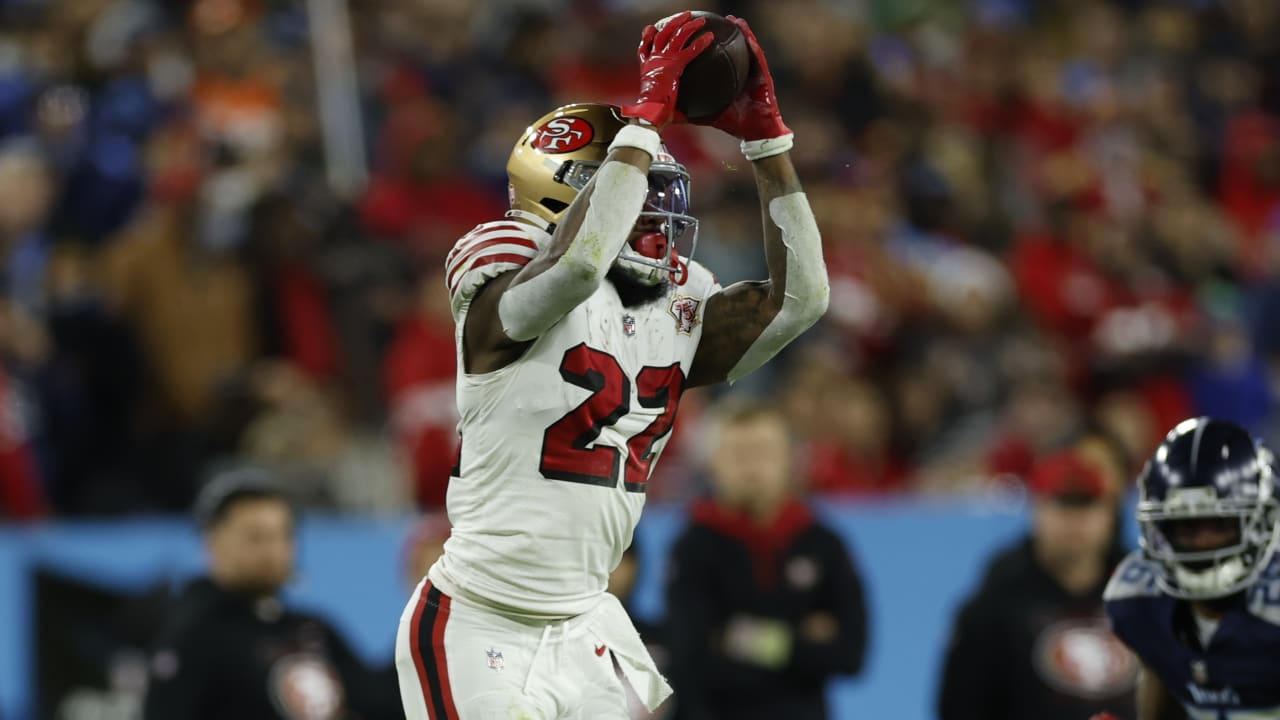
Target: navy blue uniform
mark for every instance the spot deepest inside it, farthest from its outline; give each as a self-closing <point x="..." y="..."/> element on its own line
<point x="1237" y="677"/>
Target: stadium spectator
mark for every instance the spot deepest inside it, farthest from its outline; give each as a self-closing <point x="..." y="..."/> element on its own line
<point x="303" y="433"/>
<point x="1033" y="641"/>
<point x="25" y="346"/>
<point x="21" y="494"/>
<point x="1036" y="215"/>
<point x="854" y="455"/>
<point x="1024" y="205"/>
<point x="203" y="332"/>
<point x="230" y="649"/>
<point x="764" y="604"/>
<point x="418" y="374"/>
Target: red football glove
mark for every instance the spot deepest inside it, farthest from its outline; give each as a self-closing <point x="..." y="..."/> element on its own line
<point x="663" y="58"/>
<point x="754" y="115"/>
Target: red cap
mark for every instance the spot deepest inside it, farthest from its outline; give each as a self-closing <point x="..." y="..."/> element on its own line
<point x="1067" y="476"/>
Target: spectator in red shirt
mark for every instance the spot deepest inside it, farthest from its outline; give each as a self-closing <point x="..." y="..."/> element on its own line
<point x="856" y="454"/>
<point x="21" y="496"/>
<point x="418" y="376"/>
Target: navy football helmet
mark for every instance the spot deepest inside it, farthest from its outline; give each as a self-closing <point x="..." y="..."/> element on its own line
<point x="1209" y="470"/>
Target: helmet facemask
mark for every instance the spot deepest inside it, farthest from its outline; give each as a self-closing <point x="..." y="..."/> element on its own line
<point x="1205" y="574"/>
<point x="653" y="257"/>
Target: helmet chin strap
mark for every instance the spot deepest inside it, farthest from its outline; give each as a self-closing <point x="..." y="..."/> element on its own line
<point x="681" y="271"/>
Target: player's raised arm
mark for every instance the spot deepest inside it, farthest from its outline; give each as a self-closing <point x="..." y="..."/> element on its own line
<point x="518" y="307"/>
<point x="747" y="323"/>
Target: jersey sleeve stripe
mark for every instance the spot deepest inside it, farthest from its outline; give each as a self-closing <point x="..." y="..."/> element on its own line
<point x="516" y="261"/>
<point x="503" y="250"/>
<point x="514" y="244"/>
<point x="484" y="232"/>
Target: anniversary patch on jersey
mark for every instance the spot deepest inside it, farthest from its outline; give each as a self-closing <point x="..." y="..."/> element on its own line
<point x="685" y="310"/>
<point x="305" y="687"/>
<point x="563" y="135"/>
<point x="1082" y="658"/>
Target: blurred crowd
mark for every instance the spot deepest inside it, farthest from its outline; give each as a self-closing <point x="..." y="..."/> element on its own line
<point x="1041" y="219"/>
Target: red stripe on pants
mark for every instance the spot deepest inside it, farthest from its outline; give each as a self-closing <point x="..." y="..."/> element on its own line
<point x="434" y="679"/>
<point x="437" y="643"/>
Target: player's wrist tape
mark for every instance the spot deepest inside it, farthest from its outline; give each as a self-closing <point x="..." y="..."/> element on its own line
<point x="768" y="147"/>
<point x="639" y="137"/>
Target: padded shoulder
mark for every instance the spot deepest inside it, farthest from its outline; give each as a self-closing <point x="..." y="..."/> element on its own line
<point x="1134" y="577"/>
<point x="1264" y="596"/>
<point x="486" y="252"/>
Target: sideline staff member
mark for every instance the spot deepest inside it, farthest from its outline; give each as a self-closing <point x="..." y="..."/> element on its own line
<point x="230" y="650"/>
<point x="764" y="604"/>
<point x="1033" y="641"/>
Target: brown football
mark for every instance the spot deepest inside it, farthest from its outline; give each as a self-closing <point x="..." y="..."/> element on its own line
<point x="719" y="74"/>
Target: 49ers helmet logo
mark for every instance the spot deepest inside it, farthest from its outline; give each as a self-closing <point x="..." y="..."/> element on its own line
<point x="563" y="135"/>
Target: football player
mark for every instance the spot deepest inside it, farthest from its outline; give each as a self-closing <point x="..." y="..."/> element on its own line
<point x="1200" y="602"/>
<point x="580" y="320"/>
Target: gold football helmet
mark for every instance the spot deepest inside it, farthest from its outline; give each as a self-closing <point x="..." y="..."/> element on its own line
<point x="556" y="157"/>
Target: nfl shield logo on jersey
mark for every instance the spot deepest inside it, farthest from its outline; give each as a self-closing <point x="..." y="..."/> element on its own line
<point x="494" y="659"/>
<point x="685" y="310"/>
<point x="629" y="325"/>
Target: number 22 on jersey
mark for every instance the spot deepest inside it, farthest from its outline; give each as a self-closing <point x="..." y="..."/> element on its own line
<point x="567" y="451"/>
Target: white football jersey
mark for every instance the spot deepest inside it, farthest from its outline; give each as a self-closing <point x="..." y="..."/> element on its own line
<point x="557" y="448"/>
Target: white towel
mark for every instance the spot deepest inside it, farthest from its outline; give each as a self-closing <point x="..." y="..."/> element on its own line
<point x="611" y="624"/>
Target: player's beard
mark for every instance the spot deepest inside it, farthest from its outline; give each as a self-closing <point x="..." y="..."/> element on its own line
<point x="632" y="292"/>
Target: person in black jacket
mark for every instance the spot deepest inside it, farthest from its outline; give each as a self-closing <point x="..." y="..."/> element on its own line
<point x="229" y="650"/>
<point x="1033" y="642"/>
<point x="764" y="604"/>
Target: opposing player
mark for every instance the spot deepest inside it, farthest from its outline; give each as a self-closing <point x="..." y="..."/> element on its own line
<point x="1200" y="602"/>
<point x="579" y="324"/>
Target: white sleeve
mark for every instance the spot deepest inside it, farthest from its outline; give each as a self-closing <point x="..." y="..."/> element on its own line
<point x="807" y="288"/>
<point x="527" y="310"/>
<point x="483" y="254"/>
